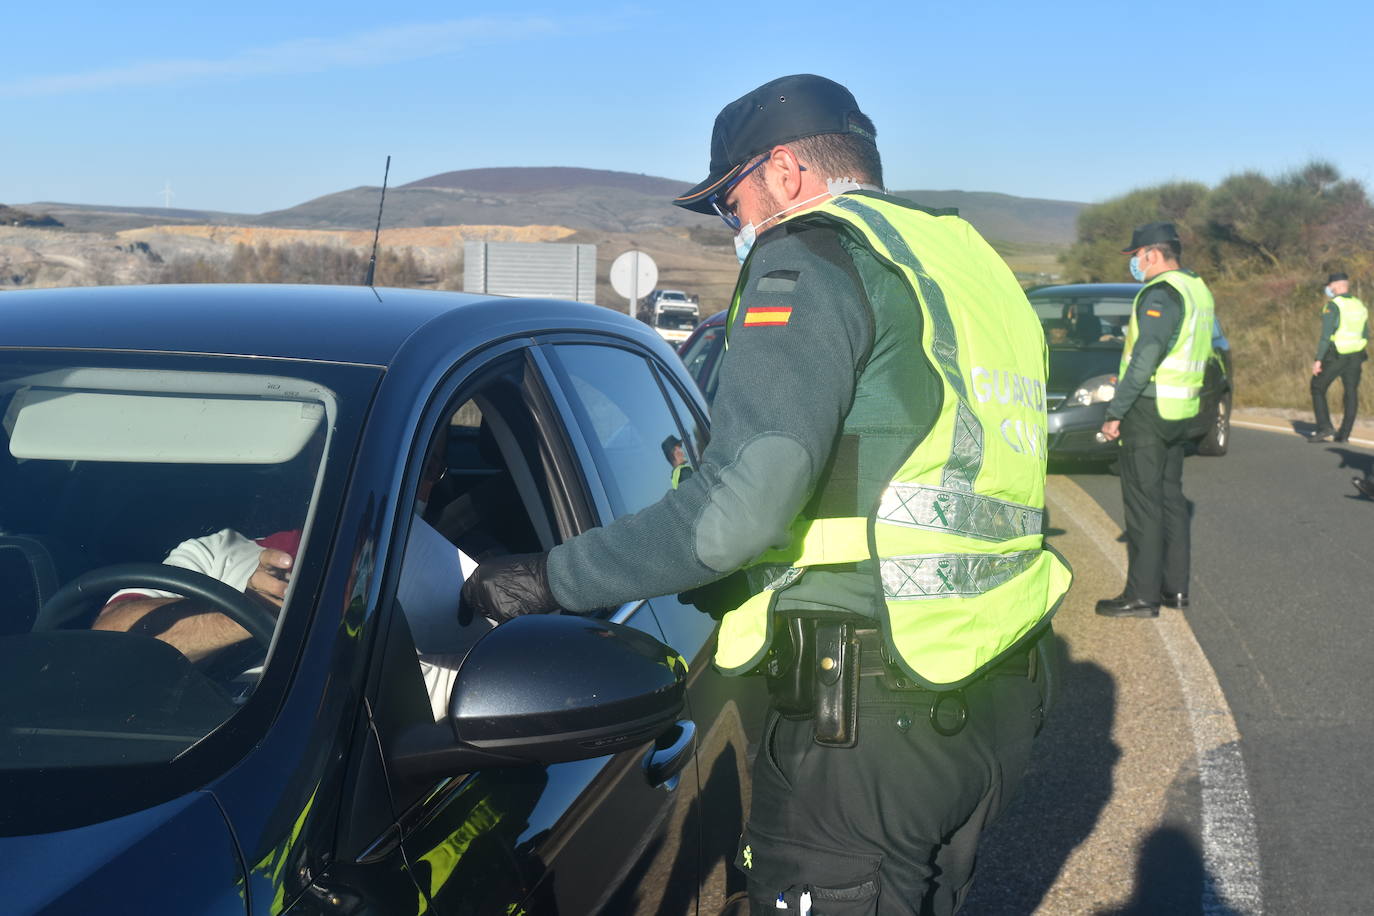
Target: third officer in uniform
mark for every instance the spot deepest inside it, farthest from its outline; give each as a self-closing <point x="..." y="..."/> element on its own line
<point x="1168" y="343"/>
<point x="877" y="462"/>
<point x="1340" y="352"/>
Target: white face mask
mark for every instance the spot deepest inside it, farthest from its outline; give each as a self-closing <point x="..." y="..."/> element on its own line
<point x="1330" y="293"/>
<point x="744" y="239"/>
<point x="1137" y="271"/>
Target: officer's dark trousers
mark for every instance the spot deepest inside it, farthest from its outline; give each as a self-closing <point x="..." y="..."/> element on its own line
<point x="890" y="825"/>
<point x="1152" y="493"/>
<point x="1347" y="368"/>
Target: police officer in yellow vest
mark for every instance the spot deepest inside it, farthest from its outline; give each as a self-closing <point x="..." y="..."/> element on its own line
<point x="875" y="484"/>
<point x="1340" y="353"/>
<point x="1168" y="343"/>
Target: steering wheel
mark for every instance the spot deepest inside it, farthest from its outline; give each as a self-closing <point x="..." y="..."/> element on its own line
<point x="71" y="599"/>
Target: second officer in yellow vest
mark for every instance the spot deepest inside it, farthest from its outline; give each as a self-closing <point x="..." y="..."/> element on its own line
<point x="877" y="468"/>
<point x="1158" y="389"/>
<point x="1340" y="354"/>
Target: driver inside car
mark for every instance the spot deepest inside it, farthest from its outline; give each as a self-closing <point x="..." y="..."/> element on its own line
<point x="260" y="569"/>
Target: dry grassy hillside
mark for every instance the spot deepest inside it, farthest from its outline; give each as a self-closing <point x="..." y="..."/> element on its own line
<point x="429" y="256"/>
<point x="699" y="261"/>
<point x="430" y="237"/>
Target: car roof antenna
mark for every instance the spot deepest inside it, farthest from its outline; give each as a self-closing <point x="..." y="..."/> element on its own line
<point x="372" y="264"/>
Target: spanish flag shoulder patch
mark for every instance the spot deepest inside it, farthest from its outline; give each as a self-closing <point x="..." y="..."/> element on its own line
<point x="1153" y="313"/>
<point x="766" y="315"/>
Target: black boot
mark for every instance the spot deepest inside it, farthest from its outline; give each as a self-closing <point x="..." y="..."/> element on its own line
<point x="1121" y="606"/>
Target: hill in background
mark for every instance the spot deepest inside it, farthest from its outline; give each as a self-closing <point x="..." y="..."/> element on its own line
<point x="425" y="221"/>
<point x="1005" y="218"/>
<point x="590" y="199"/>
<point x="554" y="178"/>
<point x="100" y="218"/>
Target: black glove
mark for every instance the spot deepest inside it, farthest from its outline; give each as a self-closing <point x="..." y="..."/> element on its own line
<point x="721" y="596"/>
<point x="504" y="588"/>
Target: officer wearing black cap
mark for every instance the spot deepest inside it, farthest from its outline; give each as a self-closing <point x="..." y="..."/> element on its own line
<point x="1168" y="342"/>
<point x="866" y="521"/>
<point x="1340" y="354"/>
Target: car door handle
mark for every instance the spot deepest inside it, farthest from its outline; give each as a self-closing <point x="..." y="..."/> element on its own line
<point x="670" y="753"/>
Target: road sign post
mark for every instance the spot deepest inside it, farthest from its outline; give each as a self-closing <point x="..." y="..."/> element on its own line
<point x="633" y="275"/>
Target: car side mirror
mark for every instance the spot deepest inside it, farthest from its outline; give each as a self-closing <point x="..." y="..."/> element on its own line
<point x="544" y="689"/>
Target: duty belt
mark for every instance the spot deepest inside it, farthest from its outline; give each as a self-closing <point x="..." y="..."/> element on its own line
<point x="873" y="662"/>
<point x="818" y="670"/>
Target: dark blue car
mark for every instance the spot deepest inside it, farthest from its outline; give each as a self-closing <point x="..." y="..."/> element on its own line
<point x="359" y="748"/>
<point x="1085" y="327"/>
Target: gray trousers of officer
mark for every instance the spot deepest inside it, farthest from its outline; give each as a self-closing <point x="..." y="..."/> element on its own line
<point x="1157" y="516"/>
<point x="891" y="825"/>
<point x="1347" y="368"/>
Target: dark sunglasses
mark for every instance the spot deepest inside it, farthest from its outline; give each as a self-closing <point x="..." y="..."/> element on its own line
<point x="725" y="211"/>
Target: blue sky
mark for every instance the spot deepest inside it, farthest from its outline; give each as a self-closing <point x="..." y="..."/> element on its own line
<point x="253" y="106"/>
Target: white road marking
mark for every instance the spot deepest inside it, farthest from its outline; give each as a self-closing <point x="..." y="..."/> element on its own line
<point x="1230" y="842"/>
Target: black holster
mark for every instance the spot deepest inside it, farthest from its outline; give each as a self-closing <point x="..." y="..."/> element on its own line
<point x="813" y="672"/>
<point x="790" y="668"/>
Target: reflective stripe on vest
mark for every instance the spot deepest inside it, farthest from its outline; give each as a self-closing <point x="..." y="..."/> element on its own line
<point x="1349" y="337"/>
<point x="956" y="540"/>
<point x="943" y="575"/>
<point x="1179" y="376"/>
<point x="958" y="511"/>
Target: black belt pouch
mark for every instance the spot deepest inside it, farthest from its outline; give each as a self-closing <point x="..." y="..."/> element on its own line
<point x="837" y="684"/>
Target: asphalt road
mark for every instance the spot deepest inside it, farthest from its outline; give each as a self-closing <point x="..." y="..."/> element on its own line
<point x="1281" y="606"/>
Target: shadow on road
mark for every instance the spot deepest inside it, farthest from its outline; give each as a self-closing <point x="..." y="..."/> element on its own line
<point x="1069" y="783"/>
<point x="1359" y="461"/>
<point x="1303" y="428"/>
<point x="1169" y="878"/>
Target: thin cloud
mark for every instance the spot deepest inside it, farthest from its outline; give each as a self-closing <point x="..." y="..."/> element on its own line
<point x="308" y="55"/>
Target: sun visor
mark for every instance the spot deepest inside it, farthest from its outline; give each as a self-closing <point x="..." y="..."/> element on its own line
<point x="156" y="427"/>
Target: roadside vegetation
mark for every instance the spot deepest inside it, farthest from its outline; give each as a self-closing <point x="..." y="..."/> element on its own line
<point x="1265" y="246"/>
<point x="302" y="262"/>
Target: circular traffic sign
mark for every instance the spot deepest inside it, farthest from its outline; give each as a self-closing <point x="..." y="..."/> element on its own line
<point x="634" y="274"/>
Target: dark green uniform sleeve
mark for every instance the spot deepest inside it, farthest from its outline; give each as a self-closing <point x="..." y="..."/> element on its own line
<point x="1331" y="319"/>
<point x="1158" y="317"/>
<point x="803" y="329"/>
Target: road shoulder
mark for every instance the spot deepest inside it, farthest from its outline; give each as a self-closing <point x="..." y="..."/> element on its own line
<point x="1113" y="816"/>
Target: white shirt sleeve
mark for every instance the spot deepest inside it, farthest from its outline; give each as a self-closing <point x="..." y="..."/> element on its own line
<point x="225" y="555"/>
<point x="440" y="670"/>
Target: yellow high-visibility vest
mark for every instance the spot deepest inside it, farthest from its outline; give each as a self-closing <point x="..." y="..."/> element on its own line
<point x="1178" y="379"/>
<point x="957" y="537"/>
<point x="1349" y="337"/>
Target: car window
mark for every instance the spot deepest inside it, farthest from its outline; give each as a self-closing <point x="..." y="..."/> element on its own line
<point x="481" y="493"/>
<point x="194" y="476"/>
<point x="636" y="443"/>
<point x="702" y="358"/>
<point x="1082" y="322"/>
<point x="697" y="434"/>
<point x="670" y="320"/>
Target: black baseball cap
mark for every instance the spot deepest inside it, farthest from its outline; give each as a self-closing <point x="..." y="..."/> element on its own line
<point x="1337" y="276"/>
<point x="1151" y="234"/>
<point x="786" y="109"/>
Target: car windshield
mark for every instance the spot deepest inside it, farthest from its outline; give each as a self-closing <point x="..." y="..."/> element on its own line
<point x="152" y="513"/>
<point x="1083" y="322"/>
<point x="676" y="320"/>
